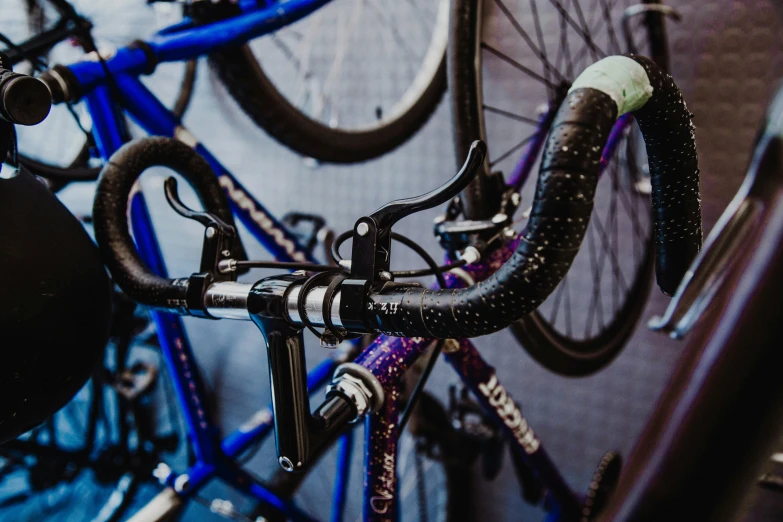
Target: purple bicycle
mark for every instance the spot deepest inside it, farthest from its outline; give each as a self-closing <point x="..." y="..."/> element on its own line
<point x="488" y="288"/>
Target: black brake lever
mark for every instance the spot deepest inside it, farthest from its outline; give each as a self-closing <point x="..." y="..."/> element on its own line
<point x="219" y="236"/>
<point x="371" y="253"/>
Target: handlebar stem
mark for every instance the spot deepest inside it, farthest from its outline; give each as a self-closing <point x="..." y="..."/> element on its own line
<point x="300" y="436"/>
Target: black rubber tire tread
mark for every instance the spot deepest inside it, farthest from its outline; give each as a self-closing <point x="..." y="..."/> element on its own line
<point x="534" y="333"/>
<point x="431" y="420"/>
<point x="185" y="94"/>
<point x="258" y="97"/>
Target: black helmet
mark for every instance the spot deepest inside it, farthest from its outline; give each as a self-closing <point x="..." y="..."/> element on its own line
<point x="55" y="304"/>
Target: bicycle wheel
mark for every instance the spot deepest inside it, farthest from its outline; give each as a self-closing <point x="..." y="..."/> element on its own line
<point x="510" y="65"/>
<point x="433" y="483"/>
<point x="59" y="149"/>
<point x="348" y="83"/>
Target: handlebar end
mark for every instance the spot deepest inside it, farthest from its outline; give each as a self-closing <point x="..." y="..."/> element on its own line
<point x="24" y="100"/>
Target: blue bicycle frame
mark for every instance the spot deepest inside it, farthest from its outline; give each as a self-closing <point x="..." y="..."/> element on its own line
<point x="114" y="83"/>
<point x="105" y="95"/>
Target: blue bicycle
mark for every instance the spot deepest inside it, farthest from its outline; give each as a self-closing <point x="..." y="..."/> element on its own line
<point x="122" y="447"/>
<point x="339" y="81"/>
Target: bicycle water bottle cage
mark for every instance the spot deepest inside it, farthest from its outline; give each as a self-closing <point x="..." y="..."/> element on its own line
<point x="217" y="263"/>
<point x="372" y="238"/>
<point x="455" y="235"/>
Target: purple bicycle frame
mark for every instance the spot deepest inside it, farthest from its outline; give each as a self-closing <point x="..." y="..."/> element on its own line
<point x="389" y="357"/>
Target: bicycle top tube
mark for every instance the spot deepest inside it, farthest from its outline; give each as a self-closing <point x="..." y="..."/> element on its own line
<point x="184" y="41"/>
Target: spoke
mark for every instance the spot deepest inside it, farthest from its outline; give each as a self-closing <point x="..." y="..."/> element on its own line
<point x="556" y="304"/>
<point x="396" y="36"/>
<point x="581" y="32"/>
<point x="541" y="44"/>
<point x="595" y="271"/>
<point x="537" y="51"/>
<point x="563" y="51"/>
<point x="513" y="149"/>
<point x="432" y="15"/>
<point x="580" y="15"/>
<point x="517" y="65"/>
<point x="511" y="115"/>
<point x="614" y="43"/>
<point x="614" y="230"/>
<point x="595" y="29"/>
<point x="286" y="50"/>
<point x="569" y="322"/>
<point x="604" y="250"/>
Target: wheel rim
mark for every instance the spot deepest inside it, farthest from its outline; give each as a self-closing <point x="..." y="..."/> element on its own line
<point x="356" y="66"/>
<point x="525" y="64"/>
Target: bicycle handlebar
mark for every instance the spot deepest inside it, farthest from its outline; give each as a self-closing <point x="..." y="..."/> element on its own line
<point x="560" y="214"/>
<point x="23" y="100"/>
<point x="113" y="194"/>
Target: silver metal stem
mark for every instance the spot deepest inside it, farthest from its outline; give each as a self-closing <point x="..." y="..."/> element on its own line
<point x="228" y="300"/>
<point x="313" y="306"/>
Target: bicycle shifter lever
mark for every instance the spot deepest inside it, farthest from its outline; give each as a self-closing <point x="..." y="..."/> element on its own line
<point x="219" y="236"/>
<point x="371" y="253"/>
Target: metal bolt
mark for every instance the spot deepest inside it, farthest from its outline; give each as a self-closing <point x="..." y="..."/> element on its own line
<point x="227" y="265"/>
<point x="385" y="276"/>
<point x="162" y="472"/>
<point x="516" y="199"/>
<point x="470" y="255"/>
<point x="286" y="463"/>
<point x="211" y="232"/>
<point x="499" y="218"/>
<point x="362" y="229"/>
<point x="226" y="253"/>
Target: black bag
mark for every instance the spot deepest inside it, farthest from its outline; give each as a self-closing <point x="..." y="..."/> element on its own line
<point x="55" y="304"/>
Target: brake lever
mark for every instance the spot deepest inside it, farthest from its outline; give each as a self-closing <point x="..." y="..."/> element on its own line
<point x="371" y="253"/>
<point x="219" y="236"/>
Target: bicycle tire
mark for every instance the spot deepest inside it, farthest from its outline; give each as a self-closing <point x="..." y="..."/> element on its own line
<point x="259" y="98"/>
<point x="431" y="421"/>
<point x="551" y="348"/>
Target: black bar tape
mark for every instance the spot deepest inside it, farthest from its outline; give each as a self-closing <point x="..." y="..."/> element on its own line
<point x="110" y="213"/>
<point x="668" y="133"/>
<point x="558" y="221"/>
<point x="560" y="215"/>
